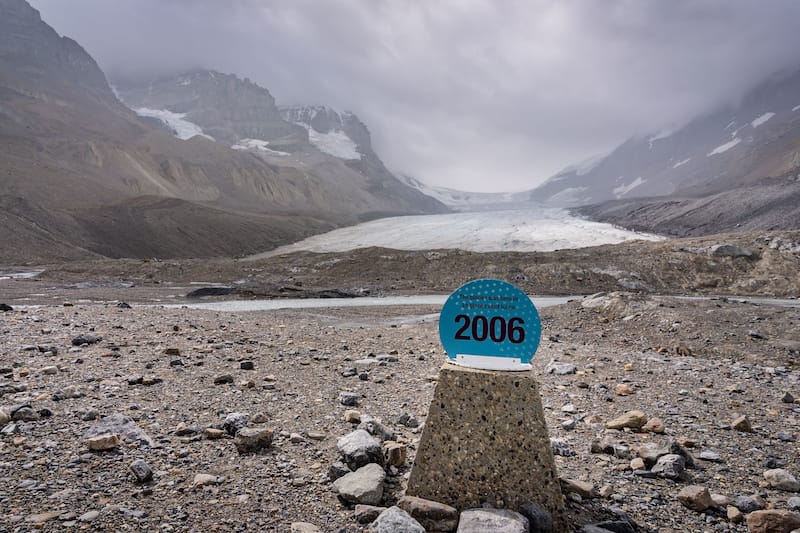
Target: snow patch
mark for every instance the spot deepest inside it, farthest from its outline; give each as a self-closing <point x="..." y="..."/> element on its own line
<point x="730" y="124"/>
<point x="662" y="135"/>
<point x="724" y="147"/>
<point x="681" y="163"/>
<point x="183" y="129"/>
<point x="335" y="143"/>
<point x="622" y="190"/>
<point x="796" y="108"/>
<point x="257" y="145"/>
<point x="762" y="119"/>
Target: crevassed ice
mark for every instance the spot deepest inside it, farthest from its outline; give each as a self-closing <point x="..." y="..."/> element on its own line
<point x="724" y="147"/>
<point x="531" y="229"/>
<point x="182" y="128"/>
<point x="762" y="119"/>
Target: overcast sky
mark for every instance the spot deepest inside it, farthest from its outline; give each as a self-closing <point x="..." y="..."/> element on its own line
<point x="487" y="95"/>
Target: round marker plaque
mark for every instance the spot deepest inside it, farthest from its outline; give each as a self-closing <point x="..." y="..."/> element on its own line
<point x="490" y="324"/>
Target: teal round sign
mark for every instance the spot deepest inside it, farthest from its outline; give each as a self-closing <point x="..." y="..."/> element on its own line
<point x="490" y="324"/>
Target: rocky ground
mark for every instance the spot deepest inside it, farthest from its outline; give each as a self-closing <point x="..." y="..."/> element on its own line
<point x="237" y="415"/>
<point x="178" y="374"/>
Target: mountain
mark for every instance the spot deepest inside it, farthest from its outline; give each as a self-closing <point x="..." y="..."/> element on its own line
<point x="82" y="175"/>
<point x="734" y="168"/>
<point x="314" y="143"/>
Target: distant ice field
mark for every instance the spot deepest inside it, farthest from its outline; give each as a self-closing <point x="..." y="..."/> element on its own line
<point x="522" y="230"/>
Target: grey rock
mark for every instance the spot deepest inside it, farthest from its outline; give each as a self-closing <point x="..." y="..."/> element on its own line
<point x="141" y="470"/>
<point x="303" y="527"/>
<point x="560" y="369"/>
<point x="610" y="446"/>
<point x="365" y="485"/>
<point x="250" y="440"/>
<point x="781" y="479"/>
<point x="223" y="379"/>
<point x="395" y="520"/>
<point x="24" y="413"/>
<point x="86" y="338"/>
<point x="234" y="422"/>
<point x="708" y="455"/>
<point x="121" y="425"/>
<point x="485" y="520"/>
<point x="670" y="466"/>
<point x="89" y="516"/>
<point x="349" y="399"/>
<point x="337" y="470"/>
<point x="785" y="437"/>
<point x="787" y="398"/>
<point x="562" y="448"/>
<point x="359" y="448"/>
<point x="731" y="250"/>
<point x="749" y="504"/>
<point x="539" y="519"/>
<point x="585" y="489"/>
<point x="247" y="365"/>
<point x="376" y="429"/>
<point x="408" y="420"/>
<point x="793" y="503"/>
<point x="617" y="526"/>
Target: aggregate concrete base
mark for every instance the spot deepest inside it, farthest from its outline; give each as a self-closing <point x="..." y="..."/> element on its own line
<point x="486" y="441"/>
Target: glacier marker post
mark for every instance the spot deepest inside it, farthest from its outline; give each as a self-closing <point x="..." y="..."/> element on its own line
<point x="485" y="438"/>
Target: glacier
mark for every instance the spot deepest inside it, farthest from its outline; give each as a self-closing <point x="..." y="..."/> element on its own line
<point x="522" y="230"/>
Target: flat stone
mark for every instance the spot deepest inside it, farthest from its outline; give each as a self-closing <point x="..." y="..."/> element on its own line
<point x="781" y="479"/>
<point x="213" y="433"/>
<point x="485" y="520"/>
<point x="695" y="497"/>
<point x="223" y="379"/>
<point x="584" y="489"/>
<point x="773" y="521"/>
<point x="364" y="514"/>
<point x="709" y="455"/>
<point x="250" y="440"/>
<point x="89" y="516"/>
<point x="86" y="338"/>
<point x="467" y="451"/>
<point x="433" y="516"/>
<point x="101" y="443"/>
<point x="304" y="527"/>
<point x="560" y="369"/>
<point x="365" y="485"/>
<point x="395" y="520"/>
<point x="123" y="426"/>
<point x="631" y="419"/>
<point x="337" y="470"/>
<point x="41" y="518"/>
<point x="201" y="480"/>
<point x="358" y="449"/>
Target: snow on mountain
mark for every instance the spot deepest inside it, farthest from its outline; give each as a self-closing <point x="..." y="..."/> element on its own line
<point x="531" y="229"/>
<point x="681" y="162"/>
<point x="724" y="147"/>
<point x="182" y="128"/>
<point x="762" y="119"/>
<point x="257" y="145"/>
<point x="329" y="130"/>
<point x="335" y="143"/>
<point x="624" y="189"/>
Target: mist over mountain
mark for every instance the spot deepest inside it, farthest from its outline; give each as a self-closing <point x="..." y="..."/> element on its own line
<point x="737" y="167"/>
<point x="84" y="175"/>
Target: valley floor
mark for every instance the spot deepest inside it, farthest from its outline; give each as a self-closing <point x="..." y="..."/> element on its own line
<point x="697" y="365"/>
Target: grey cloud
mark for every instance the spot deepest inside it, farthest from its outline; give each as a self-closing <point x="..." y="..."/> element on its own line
<point x="475" y="94"/>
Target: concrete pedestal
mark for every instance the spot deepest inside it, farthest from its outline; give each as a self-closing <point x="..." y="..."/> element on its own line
<point x="485" y="440"/>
